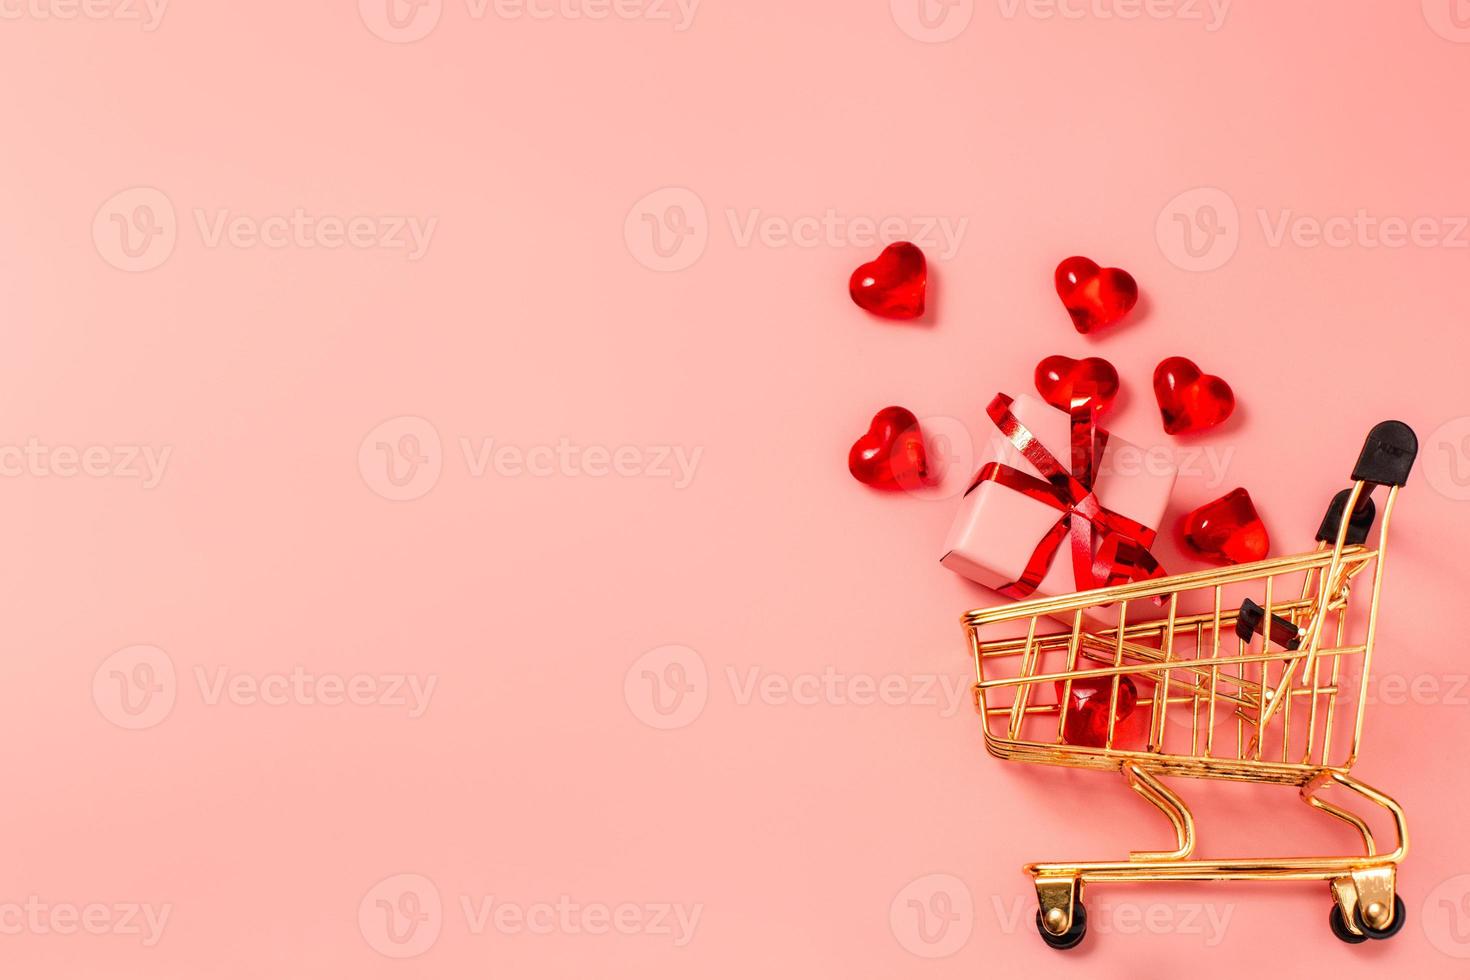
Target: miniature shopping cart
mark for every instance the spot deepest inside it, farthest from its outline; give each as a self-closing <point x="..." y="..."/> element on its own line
<point x="1254" y="672"/>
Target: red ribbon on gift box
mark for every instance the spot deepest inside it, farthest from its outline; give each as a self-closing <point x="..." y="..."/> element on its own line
<point x="1107" y="547"/>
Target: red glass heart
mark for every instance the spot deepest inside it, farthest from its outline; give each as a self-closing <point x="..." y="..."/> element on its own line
<point x="1087" y="709"/>
<point x="1190" y="401"/>
<point x="1228" y="530"/>
<point x="1060" y="379"/>
<point x="893" y="284"/>
<point x="1095" y="297"/>
<point x="891" y="454"/>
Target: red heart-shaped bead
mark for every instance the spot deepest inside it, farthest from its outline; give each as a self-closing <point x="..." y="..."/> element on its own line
<point x="1060" y="379"/>
<point x="1190" y="401"/>
<point x="1228" y="530"/>
<point x="891" y="454"/>
<point x="1095" y="297"/>
<point x="893" y="284"/>
<point x="1087" y="709"/>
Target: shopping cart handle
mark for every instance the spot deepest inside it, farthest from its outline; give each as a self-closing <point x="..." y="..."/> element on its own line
<point x="1387" y="455"/>
<point x="1358" y="528"/>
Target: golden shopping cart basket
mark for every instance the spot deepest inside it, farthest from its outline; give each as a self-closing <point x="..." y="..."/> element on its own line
<point x="1241" y="673"/>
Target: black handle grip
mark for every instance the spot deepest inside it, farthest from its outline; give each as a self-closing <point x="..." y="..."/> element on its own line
<point x="1284" y="633"/>
<point x="1388" y="454"/>
<point x="1358" y="527"/>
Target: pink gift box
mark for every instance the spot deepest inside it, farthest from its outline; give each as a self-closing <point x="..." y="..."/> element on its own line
<point x="997" y="529"/>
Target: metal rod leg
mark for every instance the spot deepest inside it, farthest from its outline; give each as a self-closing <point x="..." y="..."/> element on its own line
<point x="1313" y="787"/>
<point x="1147" y="786"/>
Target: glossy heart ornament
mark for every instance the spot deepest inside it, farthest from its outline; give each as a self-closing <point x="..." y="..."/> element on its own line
<point x="893" y="284"/>
<point x="1190" y="401"/>
<point x="891" y="455"/>
<point x="1087" y="709"/>
<point x="1060" y="379"/>
<point x="1094" y="297"/>
<point x="1228" y="530"/>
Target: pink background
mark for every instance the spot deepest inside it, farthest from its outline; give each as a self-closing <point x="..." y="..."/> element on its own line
<point x="809" y="835"/>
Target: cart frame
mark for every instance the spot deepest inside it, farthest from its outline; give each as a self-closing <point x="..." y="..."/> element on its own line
<point x="1266" y="695"/>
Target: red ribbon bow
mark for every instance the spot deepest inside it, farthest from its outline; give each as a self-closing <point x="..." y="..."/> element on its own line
<point x="1107" y="548"/>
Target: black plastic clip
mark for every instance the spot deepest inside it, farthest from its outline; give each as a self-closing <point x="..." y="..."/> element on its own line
<point x="1358" y="527"/>
<point x="1388" y="455"/>
<point x="1284" y="633"/>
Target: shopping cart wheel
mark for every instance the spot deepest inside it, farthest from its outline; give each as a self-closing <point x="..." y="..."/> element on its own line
<point x="1340" y="929"/>
<point x="1072" y="936"/>
<point x="1393" y="927"/>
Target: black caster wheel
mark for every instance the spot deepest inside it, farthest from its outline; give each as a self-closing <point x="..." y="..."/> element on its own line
<point x="1072" y="936"/>
<point x="1340" y="929"/>
<point x="1398" y="922"/>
